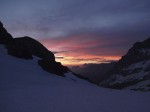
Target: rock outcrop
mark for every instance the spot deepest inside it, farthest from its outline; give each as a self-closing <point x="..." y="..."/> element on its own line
<point x="26" y="47"/>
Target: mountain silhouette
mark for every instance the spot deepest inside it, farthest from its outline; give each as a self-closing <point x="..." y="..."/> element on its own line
<point x="27" y="47"/>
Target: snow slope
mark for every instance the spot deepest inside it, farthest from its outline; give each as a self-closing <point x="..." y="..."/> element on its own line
<point x="25" y="87"/>
<point x="136" y="71"/>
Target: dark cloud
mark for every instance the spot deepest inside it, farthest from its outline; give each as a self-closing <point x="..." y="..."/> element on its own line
<point x="54" y="18"/>
<point x="59" y="57"/>
<point x="57" y="52"/>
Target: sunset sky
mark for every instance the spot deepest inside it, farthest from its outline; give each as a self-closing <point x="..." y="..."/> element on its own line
<point x="79" y="31"/>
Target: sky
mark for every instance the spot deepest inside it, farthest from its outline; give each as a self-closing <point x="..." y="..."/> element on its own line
<point x="79" y="31"/>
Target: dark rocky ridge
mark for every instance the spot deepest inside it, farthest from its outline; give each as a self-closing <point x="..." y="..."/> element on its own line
<point x="134" y="63"/>
<point x="134" y="54"/>
<point x="27" y="47"/>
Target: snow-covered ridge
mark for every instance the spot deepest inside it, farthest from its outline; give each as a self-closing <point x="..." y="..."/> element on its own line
<point x="27" y="47"/>
<point x="23" y="68"/>
<point x="132" y="70"/>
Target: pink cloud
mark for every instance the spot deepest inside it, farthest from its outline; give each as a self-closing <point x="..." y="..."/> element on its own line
<point x="84" y="46"/>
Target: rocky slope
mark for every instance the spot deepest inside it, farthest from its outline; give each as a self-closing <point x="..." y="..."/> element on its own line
<point x="133" y="70"/>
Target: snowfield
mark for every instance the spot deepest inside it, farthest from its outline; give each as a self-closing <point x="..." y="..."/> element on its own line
<point x="25" y="87"/>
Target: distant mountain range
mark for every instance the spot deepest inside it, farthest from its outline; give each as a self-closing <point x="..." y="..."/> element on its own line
<point x="94" y="72"/>
<point x="133" y="69"/>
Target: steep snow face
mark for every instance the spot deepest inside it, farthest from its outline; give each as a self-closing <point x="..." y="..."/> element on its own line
<point x="25" y="87"/>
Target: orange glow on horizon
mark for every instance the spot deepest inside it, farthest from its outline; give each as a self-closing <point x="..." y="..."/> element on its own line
<point x="82" y="49"/>
<point x="75" y="61"/>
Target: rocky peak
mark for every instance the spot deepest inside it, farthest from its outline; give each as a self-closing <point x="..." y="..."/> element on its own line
<point x="139" y="52"/>
<point x="5" y="37"/>
<point x="132" y="69"/>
